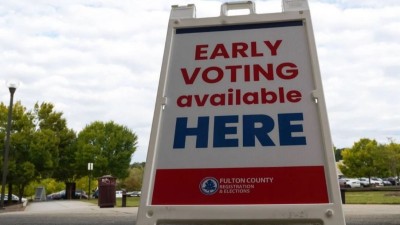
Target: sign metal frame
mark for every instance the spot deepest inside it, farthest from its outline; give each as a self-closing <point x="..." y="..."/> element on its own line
<point x="330" y="213"/>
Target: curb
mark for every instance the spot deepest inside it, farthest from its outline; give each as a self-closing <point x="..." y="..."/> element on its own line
<point x="14" y="208"/>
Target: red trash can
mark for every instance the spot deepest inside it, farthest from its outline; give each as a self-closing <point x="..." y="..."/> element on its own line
<point x="107" y="188"/>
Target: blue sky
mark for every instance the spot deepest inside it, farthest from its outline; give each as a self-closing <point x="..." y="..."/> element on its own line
<point x="101" y="60"/>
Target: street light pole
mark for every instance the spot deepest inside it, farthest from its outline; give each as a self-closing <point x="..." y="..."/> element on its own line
<point x="12" y="87"/>
<point x="90" y="168"/>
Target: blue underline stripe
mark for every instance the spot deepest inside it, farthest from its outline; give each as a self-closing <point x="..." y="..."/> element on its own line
<point x="239" y="27"/>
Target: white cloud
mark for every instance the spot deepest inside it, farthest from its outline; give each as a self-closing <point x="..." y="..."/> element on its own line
<point x="358" y="48"/>
<point x="100" y="60"/>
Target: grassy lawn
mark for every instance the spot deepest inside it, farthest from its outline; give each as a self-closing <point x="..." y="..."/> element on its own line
<point x="130" y="201"/>
<point x="373" y="197"/>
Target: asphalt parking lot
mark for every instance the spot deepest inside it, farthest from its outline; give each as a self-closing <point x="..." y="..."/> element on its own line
<point x="83" y="213"/>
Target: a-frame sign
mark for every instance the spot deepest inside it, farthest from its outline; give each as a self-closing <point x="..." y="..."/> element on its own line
<point x="240" y="133"/>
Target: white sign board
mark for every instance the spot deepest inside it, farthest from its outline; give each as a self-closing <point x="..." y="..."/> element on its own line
<point x="40" y="194"/>
<point x="240" y="130"/>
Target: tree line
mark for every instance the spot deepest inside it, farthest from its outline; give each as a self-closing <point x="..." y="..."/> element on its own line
<point x="368" y="158"/>
<point x="42" y="146"/>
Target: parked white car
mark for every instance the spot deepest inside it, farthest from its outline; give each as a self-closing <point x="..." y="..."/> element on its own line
<point x="118" y="194"/>
<point x="352" y="183"/>
<point x="364" y="182"/>
<point x="15" y="198"/>
<point x="376" y="181"/>
<point x="342" y="182"/>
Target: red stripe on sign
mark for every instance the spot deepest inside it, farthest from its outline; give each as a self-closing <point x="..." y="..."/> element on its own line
<point x="230" y="186"/>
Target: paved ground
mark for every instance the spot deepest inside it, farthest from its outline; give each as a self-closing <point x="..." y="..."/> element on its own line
<point x="372" y="214"/>
<point x="82" y="213"/>
<point x="69" y="213"/>
<point x="74" y="206"/>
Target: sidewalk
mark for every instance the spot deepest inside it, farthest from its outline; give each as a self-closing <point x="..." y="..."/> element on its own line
<point x="67" y="212"/>
<point x="13" y="208"/>
<point x="72" y="206"/>
<point x="79" y="207"/>
<point x="59" y="206"/>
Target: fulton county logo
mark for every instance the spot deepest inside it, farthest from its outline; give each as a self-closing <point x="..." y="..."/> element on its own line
<point x="209" y="186"/>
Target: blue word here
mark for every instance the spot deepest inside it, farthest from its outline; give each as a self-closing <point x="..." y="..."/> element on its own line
<point x="255" y="127"/>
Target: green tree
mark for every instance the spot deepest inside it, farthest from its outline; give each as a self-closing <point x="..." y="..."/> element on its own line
<point x="54" y="142"/>
<point x="38" y="138"/>
<point x="361" y="159"/>
<point x="109" y="146"/>
<point x="83" y="184"/>
<point x="44" y="152"/>
<point x="3" y="125"/>
<point x="66" y="170"/>
<point x="393" y="158"/>
<point x="51" y="185"/>
<point x="21" y="170"/>
<point x="24" y="174"/>
<point x="134" y="181"/>
<point x="338" y="153"/>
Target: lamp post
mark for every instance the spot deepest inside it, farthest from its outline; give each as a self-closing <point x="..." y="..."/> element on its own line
<point x="12" y="86"/>
<point x="90" y="168"/>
